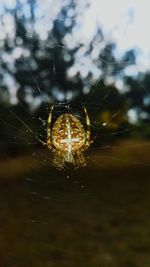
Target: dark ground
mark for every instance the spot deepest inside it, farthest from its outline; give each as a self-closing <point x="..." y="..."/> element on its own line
<point x="95" y="216"/>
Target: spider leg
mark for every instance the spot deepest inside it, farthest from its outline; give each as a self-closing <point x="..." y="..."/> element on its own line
<point x="87" y="117"/>
<point x="59" y="160"/>
<point x="41" y="141"/>
<point x="88" y="124"/>
<point x="79" y="160"/>
<point x="49" y="127"/>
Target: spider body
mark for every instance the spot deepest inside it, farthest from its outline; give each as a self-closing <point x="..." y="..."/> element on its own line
<point x="68" y="134"/>
<point x="68" y="138"/>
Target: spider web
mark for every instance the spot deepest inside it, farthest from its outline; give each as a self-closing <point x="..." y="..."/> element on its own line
<point x="30" y="135"/>
<point x="45" y="213"/>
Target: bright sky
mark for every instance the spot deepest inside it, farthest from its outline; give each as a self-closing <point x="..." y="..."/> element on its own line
<point x="125" y="21"/>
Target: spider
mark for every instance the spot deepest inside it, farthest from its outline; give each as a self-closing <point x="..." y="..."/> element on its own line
<point x="67" y="138"/>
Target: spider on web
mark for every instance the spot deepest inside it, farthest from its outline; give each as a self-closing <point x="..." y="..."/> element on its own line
<point x="67" y="138"/>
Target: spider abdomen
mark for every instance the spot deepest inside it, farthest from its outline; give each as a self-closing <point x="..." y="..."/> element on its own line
<point x="68" y="133"/>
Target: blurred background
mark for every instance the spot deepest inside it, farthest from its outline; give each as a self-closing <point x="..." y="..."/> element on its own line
<point x="74" y="54"/>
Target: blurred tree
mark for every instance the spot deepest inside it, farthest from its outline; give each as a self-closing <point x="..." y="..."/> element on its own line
<point x="37" y="66"/>
<point x="138" y="95"/>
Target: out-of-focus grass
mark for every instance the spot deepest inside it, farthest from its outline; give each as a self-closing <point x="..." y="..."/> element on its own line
<point x="14" y="168"/>
<point x="124" y="154"/>
<point x="95" y="216"/>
